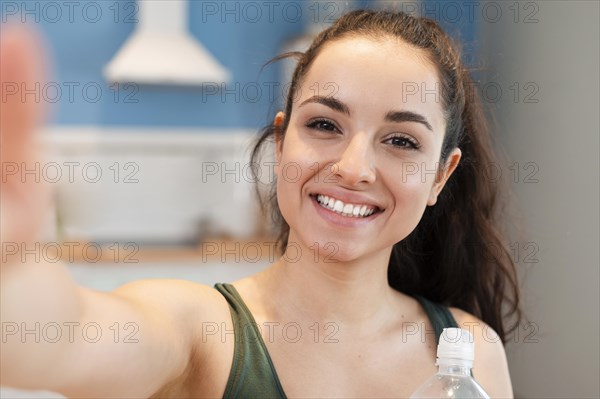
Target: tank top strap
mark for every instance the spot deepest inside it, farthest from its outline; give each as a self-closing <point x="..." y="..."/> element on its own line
<point x="252" y="372"/>
<point x="439" y="316"/>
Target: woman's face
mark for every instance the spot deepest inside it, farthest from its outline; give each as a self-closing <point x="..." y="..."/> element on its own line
<point x="357" y="165"/>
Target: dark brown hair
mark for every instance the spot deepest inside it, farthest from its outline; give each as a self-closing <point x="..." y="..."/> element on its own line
<point x="457" y="255"/>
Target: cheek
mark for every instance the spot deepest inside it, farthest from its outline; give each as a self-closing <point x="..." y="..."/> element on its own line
<point x="294" y="168"/>
<point x="411" y="189"/>
<point x="286" y="200"/>
<point x="297" y="161"/>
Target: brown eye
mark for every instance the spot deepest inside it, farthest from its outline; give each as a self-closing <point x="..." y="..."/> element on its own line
<point x="404" y="142"/>
<point x="322" y="124"/>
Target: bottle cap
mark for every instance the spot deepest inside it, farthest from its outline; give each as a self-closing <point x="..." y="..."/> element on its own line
<point x="456" y="344"/>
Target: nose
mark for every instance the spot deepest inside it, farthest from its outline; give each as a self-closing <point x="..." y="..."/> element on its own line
<point x="356" y="164"/>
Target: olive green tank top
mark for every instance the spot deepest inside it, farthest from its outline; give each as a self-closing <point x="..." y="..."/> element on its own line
<point x="253" y="374"/>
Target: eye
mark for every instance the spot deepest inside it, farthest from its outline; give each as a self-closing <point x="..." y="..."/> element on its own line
<point x="322" y="124"/>
<point x="404" y="142"/>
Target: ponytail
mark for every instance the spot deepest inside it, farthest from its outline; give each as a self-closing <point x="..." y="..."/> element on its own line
<point x="457" y="255"/>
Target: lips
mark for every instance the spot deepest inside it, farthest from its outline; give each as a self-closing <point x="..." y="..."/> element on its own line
<point x="345" y="208"/>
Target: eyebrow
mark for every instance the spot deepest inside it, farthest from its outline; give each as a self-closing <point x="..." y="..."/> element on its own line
<point x="407" y="116"/>
<point x="391" y="116"/>
<point x="330" y="102"/>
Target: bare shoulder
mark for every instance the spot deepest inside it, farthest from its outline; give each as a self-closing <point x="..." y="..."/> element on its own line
<point x="195" y="313"/>
<point x="185" y="301"/>
<point x="169" y="291"/>
<point x="490" y="367"/>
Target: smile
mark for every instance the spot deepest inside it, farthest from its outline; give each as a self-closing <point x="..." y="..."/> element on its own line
<point x="350" y="210"/>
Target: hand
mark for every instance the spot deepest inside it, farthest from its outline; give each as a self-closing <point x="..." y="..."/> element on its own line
<point x="23" y="201"/>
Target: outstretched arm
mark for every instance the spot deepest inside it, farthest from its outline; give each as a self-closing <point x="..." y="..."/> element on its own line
<point x="57" y="335"/>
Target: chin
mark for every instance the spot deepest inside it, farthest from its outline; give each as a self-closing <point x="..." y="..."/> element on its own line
<point x="338" y="252"/>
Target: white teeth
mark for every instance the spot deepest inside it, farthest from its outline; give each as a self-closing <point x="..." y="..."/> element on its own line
<point x="339" y="206"/>
<point x="344" y="209"/>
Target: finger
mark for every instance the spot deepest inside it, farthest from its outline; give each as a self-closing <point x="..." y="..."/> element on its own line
<point x="21" y="77"/>
<point x="21" y="69"/>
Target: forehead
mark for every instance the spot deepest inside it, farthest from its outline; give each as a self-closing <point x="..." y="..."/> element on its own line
<point x="376" y="74"/>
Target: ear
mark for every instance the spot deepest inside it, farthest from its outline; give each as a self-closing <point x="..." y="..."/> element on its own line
<point x="444" y="174"/>
<point x="278" y="123"/>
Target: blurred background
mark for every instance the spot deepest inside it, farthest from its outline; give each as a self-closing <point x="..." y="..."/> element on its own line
<point x="155" y="103"/>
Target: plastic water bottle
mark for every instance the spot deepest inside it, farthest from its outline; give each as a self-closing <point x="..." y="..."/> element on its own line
<point x="455" y="359"/>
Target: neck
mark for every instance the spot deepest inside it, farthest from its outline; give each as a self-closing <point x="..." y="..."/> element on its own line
<point x="321" y="289"/>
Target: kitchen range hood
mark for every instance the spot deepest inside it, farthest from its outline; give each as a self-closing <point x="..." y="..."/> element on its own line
<point x="161" y="51"/>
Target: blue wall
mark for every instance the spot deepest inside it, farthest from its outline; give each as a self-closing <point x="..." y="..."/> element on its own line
<point x="83" y="36"/>
<point x="84" y="40"/>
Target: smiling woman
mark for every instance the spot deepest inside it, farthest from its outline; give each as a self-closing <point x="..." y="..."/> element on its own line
<point x="379" y="141"/>
<point x="392" y="192"/>
<point x="362" y="142"/>
<point x="382" y="232"/>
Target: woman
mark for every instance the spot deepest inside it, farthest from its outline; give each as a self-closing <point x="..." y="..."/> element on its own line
<point x="387" y="206"/>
